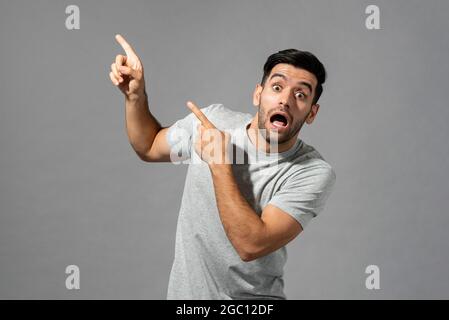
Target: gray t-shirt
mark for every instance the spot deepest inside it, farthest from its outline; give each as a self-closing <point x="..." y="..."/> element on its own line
<point x="206" y="265"/>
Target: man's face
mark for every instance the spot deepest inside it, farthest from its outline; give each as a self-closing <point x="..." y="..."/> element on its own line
<point x="285" y="102"/>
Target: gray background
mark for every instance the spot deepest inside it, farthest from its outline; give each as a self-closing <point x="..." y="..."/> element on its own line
<point x="72" y="190"/>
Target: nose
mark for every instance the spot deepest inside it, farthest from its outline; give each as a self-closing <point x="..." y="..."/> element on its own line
<point x="284" y="98"/>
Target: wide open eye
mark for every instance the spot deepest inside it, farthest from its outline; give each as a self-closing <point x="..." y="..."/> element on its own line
<point x="276" y="87"/>
<point x="300" y="95"/>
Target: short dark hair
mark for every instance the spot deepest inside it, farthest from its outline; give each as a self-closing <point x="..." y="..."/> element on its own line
<point x="299" y="59"/>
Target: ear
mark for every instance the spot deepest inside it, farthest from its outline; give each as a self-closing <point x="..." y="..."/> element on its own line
<point x="312" y="114"/>
<point x="256" y="95"/>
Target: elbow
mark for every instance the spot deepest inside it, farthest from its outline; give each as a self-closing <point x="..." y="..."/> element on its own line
<point x="248" y="255"/>
<point x="252" y="248"/>
<point x="247" y="258"/>
<point x="143" y="157"/>
<point x="142" y="151"/>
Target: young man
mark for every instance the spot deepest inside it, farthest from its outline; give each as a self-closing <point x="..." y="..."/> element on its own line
<point x="236" y="218"/>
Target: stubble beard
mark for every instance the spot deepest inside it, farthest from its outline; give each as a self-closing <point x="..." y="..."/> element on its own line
<point x="270" y="135"/>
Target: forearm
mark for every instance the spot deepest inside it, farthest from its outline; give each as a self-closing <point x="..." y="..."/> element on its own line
<point x="142" y="127"/>
<point x="244" y="228"/>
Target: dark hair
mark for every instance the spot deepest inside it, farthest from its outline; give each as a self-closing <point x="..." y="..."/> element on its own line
<point x="299" y="59"/>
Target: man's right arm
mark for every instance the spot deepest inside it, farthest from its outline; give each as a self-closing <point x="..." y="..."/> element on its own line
<point x="145" y="134"/>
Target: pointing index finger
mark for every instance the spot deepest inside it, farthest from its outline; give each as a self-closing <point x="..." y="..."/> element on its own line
<point x="125" y="45"/>
<point x="200" y="115"/>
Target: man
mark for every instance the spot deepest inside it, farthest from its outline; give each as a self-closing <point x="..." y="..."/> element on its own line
<point x="236" y="219"/>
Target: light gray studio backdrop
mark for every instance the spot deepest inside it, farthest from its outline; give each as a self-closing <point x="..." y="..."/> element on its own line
<point x="73" y="191"/>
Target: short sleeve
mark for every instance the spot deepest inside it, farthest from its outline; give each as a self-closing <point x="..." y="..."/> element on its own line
<point x="304" y="195"/>
<point x="181" y="134"/>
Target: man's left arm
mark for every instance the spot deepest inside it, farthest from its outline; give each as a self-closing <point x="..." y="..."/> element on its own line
<point x="252" y="236"/>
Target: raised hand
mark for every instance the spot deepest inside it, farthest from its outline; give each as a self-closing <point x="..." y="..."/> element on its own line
<point x="212" y="145"/>
<point x="127" y="71"/>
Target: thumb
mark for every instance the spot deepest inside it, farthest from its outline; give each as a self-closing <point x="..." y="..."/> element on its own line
<point x="130" y="72"/>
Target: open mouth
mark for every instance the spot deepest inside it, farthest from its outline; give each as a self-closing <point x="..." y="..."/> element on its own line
<point x="279" y="120"/>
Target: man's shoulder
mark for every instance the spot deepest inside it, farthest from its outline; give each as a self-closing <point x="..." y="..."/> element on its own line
<point x="224" y="117"/>
<point x="218" y="109"/>
<point x="310" y="160"/>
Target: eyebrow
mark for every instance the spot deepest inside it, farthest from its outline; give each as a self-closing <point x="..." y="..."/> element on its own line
<point x="308" y="85"/>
